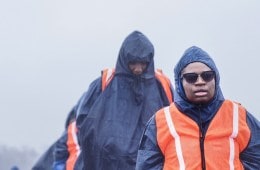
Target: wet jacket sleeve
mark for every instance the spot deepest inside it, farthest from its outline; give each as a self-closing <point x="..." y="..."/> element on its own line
<point x="250" y="157"/>
<point x="149" y="154"/>
<point x="61" y="153"/>
<point x="87" y="100"/>
<point x="46" y="160"/>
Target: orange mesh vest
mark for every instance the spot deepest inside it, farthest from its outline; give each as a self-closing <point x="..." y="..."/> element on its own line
<point x="226" y="137"/>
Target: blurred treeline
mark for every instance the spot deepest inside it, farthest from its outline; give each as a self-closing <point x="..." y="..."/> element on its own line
<point x="22" y="158"/>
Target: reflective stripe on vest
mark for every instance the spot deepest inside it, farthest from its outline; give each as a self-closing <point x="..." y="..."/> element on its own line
<point x="72" y="145"/>
<point x="226" y="137"/>
<point x="165" y="82"/>
<point x="107" y="75"/>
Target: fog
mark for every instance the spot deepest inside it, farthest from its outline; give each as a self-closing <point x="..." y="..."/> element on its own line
<point x="51" y="50"/>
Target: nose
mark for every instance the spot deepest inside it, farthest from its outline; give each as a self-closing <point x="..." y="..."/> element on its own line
<point x="200" y="80"/>
<point x="138" y="69"/>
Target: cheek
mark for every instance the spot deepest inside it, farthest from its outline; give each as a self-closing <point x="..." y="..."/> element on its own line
<point x="212" y="89"/>
<point x="187" y="89"/>
<point x="144" y="66"/>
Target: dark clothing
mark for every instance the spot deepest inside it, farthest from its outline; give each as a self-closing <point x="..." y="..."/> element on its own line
<point x="110" y="130"/>
<point x="46" y="160"/>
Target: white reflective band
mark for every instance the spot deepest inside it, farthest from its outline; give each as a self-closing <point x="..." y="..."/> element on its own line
<point x="233" y="135"/>
<point x="109" y="73"/>
<point x="175" y="136"/>
<point x="74" y="136"/>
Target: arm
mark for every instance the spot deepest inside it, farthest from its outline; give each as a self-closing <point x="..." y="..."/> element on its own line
<point x="87" y="100"/>
<point x="250" y="157"/>
<point x="149" y="154"/>
<point x="60" y="153"/>
<point x="46" y="160"/>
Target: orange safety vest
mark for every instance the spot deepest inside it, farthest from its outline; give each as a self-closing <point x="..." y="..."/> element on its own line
<point x="178" y="138"/>
<point x="72" y="145"/>
<point x="107" y="75"/>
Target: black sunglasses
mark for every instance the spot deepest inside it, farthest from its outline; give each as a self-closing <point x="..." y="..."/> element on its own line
<point x="191" y="78"/>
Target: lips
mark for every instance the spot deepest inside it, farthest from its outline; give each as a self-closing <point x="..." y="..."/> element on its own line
<point x="201" y="93"/>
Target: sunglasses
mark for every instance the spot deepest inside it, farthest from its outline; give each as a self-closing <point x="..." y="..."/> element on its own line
<point x="191" y="78"/>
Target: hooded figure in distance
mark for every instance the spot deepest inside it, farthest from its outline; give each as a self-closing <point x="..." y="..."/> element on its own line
<point x="111" y="128"/>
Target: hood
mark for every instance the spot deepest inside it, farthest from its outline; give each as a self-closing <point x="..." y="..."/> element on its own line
<point x="205" y="112"/>
<point x="136" y="47"/>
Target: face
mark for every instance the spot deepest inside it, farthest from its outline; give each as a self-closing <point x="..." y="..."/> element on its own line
<point x="137" y="68"/>
<point x="202" y="89"/>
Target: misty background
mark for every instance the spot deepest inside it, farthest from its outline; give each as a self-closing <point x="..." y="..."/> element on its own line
<point x="51" y="50"/>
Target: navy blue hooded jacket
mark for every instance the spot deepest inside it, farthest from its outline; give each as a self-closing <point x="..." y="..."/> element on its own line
<point x="111" y="125"/>
<point x="149" y="154"/>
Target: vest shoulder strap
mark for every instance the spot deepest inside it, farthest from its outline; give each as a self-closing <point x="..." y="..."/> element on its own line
<point x="165" y="82"/>
<point x="107" y="75"/>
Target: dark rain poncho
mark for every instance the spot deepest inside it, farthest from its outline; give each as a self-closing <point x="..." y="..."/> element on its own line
<point x="110" y="130"/>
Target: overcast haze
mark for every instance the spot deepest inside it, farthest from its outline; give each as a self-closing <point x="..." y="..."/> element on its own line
<point x="51" y="50"/>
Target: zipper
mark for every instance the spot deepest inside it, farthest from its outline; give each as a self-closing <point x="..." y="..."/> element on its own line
<point x="202" y="138"/>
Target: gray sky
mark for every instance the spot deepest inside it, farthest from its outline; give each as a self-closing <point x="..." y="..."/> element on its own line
<point x="51" y="50"/>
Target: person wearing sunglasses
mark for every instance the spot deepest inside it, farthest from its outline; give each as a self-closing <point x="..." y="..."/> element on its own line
<point x="200" y="129"/>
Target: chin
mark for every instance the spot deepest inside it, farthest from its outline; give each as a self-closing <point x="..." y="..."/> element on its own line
<point x="202" y="101"/>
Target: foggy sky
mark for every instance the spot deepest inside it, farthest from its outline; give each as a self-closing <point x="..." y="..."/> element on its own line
<point x="51" y="50"/>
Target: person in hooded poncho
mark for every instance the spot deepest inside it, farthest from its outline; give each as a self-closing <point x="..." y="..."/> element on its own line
<point x="112" y="113"/>
<point x="200" y="129"/>
<point x="110" y="130"/>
